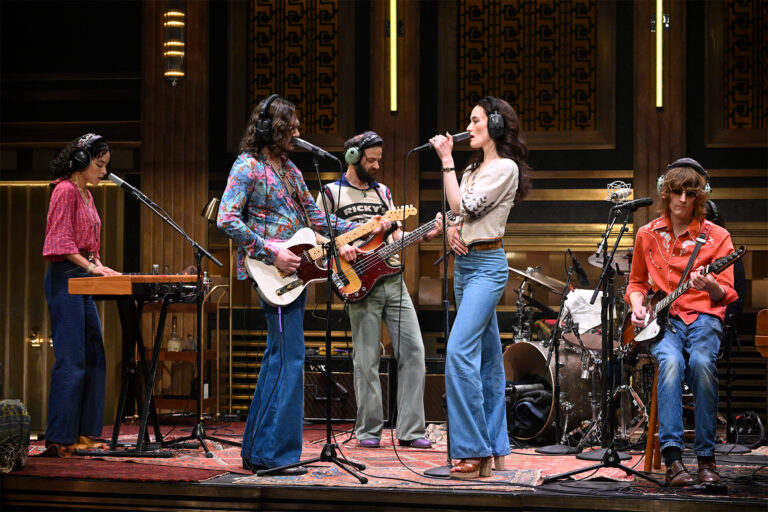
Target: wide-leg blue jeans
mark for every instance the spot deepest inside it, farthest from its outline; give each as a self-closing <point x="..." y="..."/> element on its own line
<point x="273" y="431"/>
<point x="688" y="352"/>
<point x="474" y="370"/>
<point x="76" y="400"/>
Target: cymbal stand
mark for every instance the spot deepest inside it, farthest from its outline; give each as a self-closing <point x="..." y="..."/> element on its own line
<point x="520" y="334"/>
<point x="610" y="456"/>
<point x="558" y="449"/>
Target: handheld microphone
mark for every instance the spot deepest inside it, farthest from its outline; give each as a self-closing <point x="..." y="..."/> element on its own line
<point x="622" y="193"/>
<point x="458" y="137"/>
<point x="583" y="279"/>
<point x="634" y="205"/>
<point x="312" y="148"/>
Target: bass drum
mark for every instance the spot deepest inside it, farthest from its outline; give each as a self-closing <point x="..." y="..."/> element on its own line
<point x="526" y="362"/>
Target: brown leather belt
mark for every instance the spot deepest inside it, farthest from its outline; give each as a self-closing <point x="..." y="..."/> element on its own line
<point x="487" y="246"/>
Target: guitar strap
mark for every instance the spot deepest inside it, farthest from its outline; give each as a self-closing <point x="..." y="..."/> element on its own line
<point x="292" y="191"/>
<point x="703" y="234"/>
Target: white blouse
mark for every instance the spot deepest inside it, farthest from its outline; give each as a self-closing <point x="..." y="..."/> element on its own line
<point x="487" y="195"/>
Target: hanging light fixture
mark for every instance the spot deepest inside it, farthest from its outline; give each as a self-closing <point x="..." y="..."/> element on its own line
<point x="174" y="40"/>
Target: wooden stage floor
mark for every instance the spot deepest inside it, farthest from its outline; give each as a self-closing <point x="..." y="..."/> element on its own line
<point x="189" y="481"/>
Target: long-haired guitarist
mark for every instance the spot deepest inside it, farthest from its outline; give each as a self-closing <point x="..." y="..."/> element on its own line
<point x="690" y="343"/>
<point x="267" y="200"/>
<point x="358" y="196"/>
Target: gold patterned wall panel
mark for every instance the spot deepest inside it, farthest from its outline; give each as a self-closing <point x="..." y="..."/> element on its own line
<point x="294" y="51"/>
<point x="737" y="45"/>
<point x="552" y="60"/>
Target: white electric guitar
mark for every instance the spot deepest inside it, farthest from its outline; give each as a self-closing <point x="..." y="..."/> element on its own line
<point x="280" y="289"/>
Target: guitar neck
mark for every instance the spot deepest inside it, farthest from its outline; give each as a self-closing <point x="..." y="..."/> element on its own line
<point x="389" y="250"/>
<point x="352" y="235"/>
<point x="417" y="234"/>
<point x="672" y="297"/>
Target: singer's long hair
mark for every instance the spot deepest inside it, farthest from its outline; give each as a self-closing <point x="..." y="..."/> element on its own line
<point x="510" y="145"/>
<point x="59" y="166"/>
<point x="684" y="178"/>
<point x="282" y="113"/>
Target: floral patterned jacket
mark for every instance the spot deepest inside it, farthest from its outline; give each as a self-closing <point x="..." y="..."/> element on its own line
<point x="256" y="208"/>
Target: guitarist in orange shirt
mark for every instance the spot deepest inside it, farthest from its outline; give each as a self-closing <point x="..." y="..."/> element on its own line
<point x="689" y="345"/>
<point x="357" y="196"/>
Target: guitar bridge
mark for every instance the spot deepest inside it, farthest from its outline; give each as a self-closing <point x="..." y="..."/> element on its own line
<point x="290" y="286"/>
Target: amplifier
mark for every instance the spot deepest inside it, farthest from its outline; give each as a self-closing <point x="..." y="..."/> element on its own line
<point x="434" y="389"/>
<point x="343" y="404"/>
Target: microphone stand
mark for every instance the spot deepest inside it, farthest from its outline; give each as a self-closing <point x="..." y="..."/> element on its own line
<point x="328" y="453"/>
<point x="444" y="471"/>
<point x="557" y="448"/>
<point x="608" y="456"/>
<point x="198" y="431"/>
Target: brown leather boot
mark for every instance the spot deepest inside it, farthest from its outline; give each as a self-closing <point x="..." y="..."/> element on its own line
<point x="678" y="475"/>
<point x="708" y="471"/>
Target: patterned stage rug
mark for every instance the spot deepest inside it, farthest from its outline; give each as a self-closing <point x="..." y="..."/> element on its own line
<point x="525" y="467"/>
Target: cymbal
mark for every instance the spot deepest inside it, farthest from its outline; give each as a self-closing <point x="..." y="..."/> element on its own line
<point x="622" y="259"/>
<point x="537" y="277"/>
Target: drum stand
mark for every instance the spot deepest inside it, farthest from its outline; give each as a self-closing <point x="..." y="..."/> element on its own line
<point x="561" y="448"/>
<point x="609" y="457"/>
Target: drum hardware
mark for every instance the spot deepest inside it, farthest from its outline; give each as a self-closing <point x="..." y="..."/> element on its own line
<point x="622" y="261"/>
<point x="629" y="399"/>
<point x="559" y="449"/>
<point x="608" y="456"/>
<point x="535" y="275"/>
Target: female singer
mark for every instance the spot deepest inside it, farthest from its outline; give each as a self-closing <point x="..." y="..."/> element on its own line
<point x="495" y="179"/>
<point x="72" y="237"/>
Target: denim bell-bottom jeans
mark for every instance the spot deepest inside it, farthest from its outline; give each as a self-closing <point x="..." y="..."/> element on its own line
<point x="76" y="400"/>
<point x="273" y="431"/>
<point x="688" y="352"/>
<point x="474" y="370"/>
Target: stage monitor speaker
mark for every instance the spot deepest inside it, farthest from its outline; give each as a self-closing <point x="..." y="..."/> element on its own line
<point x="343" y="404"/>
<point x="434" y="389"/>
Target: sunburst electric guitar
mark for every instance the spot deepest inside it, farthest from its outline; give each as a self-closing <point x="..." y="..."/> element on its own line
<point x="357" y="279"/>
<point x="278" y="288"/>
<point x="658" y="309"/>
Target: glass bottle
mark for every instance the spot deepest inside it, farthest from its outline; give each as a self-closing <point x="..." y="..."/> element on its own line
<point x="173" y="343"/>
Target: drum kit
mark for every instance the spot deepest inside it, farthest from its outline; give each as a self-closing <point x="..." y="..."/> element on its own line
<point x="532" y="374"/>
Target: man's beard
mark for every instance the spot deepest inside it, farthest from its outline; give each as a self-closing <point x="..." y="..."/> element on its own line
<point x="364" y="175"/>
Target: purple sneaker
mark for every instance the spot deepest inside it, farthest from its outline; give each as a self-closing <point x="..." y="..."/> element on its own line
<point x="421" y="442"/>
<point x="369" y="443"/>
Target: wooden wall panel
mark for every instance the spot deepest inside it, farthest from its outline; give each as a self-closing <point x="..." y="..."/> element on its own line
<point x="174" y="157"/>
<point x="23" y="309"/>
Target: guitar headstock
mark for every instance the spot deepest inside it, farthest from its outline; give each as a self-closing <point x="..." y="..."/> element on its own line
<point x="400" y="213"/>
<point x="721" y="264"/>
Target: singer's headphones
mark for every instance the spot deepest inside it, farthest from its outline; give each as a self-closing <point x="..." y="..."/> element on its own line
<point x="264" y="122"/>
<point x="354" y="153"/>
<point x="495" y="120"/>
<point x="685" y="162"/>
<point x="81" y="155"/>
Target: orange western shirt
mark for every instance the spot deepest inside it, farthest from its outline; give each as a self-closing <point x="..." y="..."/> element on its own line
<point x="659" y="260"/>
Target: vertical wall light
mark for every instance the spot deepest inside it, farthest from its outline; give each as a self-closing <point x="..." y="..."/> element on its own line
<point x="174" y="38"/>
<point x="659" y="54"/>
<point x="393" y="55"/>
